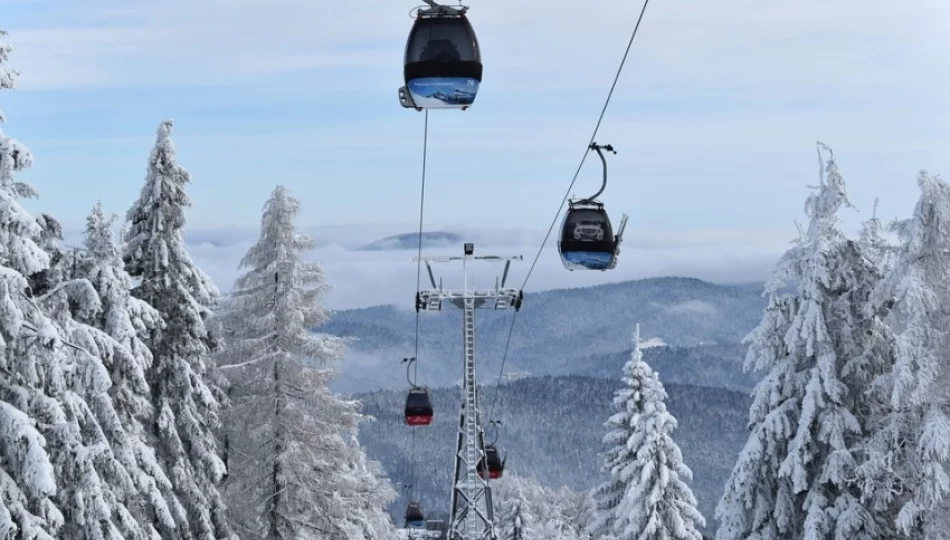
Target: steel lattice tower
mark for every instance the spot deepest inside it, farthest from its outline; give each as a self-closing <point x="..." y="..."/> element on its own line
<point x="472" y="516"/>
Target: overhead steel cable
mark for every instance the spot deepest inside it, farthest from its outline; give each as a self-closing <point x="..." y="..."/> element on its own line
<point x="567" y="193"/>
<point x="415" y="363"/>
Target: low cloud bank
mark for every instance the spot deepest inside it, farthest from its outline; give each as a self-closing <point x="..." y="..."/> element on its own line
<point x="364" y="278"/>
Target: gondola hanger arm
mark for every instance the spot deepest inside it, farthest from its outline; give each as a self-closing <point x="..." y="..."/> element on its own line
<point x="408" y="362"/>
<point x="494" y="423"/>
<point x="597" y="148"/>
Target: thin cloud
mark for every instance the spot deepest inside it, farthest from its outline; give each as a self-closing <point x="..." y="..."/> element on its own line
<point x="739" y="44"/>
<point x="644" y="133"/>
<point x="367" y="278"/>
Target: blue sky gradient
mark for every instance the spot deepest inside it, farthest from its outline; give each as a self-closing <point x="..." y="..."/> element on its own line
<point x="714" y="119"/>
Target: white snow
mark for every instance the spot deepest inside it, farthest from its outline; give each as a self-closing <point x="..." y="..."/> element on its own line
<point x="653" y="342"/>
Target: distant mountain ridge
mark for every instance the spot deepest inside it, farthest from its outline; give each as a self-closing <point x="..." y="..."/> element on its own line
<point x="583" y="330"/>
<point x="436" y="239"/>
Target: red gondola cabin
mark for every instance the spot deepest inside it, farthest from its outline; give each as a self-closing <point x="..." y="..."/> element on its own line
<point x="418" y="407"/>
<point x="496" y="467"/>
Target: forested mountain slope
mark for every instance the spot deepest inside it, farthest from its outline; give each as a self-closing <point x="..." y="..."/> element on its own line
<point x="554" y="333"/>
<point x="552" y="430"/>
<point x="716" y="366"/>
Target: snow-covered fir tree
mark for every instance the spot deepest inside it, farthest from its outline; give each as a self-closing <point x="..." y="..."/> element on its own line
<point x="128" y="321"/>
<point x="909" y="471"/>
<point x="92" y="453"/>
<point x="296" y="471"/>
<point x="62" y="386"/>
<point x="28" y="356"/>
<point x="185" y="407"/>
<point x="28" y="489"/>
<point x="370" y="490"/>
<point x="821" y="348"/>
<point x="646" y="496"/>
<point x="515" y="519"/>
<point x="577" y="509"/>
<point x="542" y="513"/>
<point x="123" y="317"/>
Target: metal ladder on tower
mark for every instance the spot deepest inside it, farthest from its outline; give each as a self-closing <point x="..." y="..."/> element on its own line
<point x="474" y="449"/>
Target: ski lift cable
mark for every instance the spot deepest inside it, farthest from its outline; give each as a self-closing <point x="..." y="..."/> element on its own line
<point x="567" y="193"/>
<point x="593" y="136"/>
<point x="422" y="204"/>
<point x="415" y="364"/>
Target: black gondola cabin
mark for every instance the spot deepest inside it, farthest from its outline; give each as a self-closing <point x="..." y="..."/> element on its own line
<point x="418" y="407"/>
<point x="587" y="238"/>
<point x="443" y="64"/>
<point x="414" y="516"/>
<point x="495" y="466"/>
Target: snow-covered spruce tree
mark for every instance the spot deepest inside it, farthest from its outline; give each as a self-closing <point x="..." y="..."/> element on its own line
<point x="38" y="420"/>
<point x="515" y="519"/>
<point x="296" y="471"/>
<point x="875" y="472"/>
<point x="646" y="496"/>
<point x="576" y="507"/>
<point x="821" y="347"/>
<point x="92" y="453"/>
<point x="29" y="357"/>
<point x="911" y="454"/>
<point x="128" y="321"/>
<point x="364" y="479"/>
<point x="185" y="407"/>
<point x="550" y="514"/>
<point x="123" y="317"/>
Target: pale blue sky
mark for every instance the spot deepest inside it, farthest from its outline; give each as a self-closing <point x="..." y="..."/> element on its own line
<point x="714" y="119"/>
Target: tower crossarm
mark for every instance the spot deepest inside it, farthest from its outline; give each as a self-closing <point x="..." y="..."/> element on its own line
<point x="434" y="299"/>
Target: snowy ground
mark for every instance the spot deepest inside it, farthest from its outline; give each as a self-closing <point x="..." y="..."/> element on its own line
<point x="652" y="342"/>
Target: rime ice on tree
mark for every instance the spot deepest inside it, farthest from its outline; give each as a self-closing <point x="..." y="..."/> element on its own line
<point x="296" y="469"/>
<point x="646" y="497"/>
<point x="60" y="439"/>
<point x="811" y="413"/>
<point x="129" y="321"/>
<point x="515" y="521"/>
<point x="525" y="509"/>
<point x="31" y="357"/>
<point x="185" y="406"/>
<point x="908" y="476"/>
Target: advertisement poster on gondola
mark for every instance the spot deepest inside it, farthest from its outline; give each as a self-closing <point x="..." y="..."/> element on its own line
<point x="586" y="260"/>
<point x="443" y="92"/>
